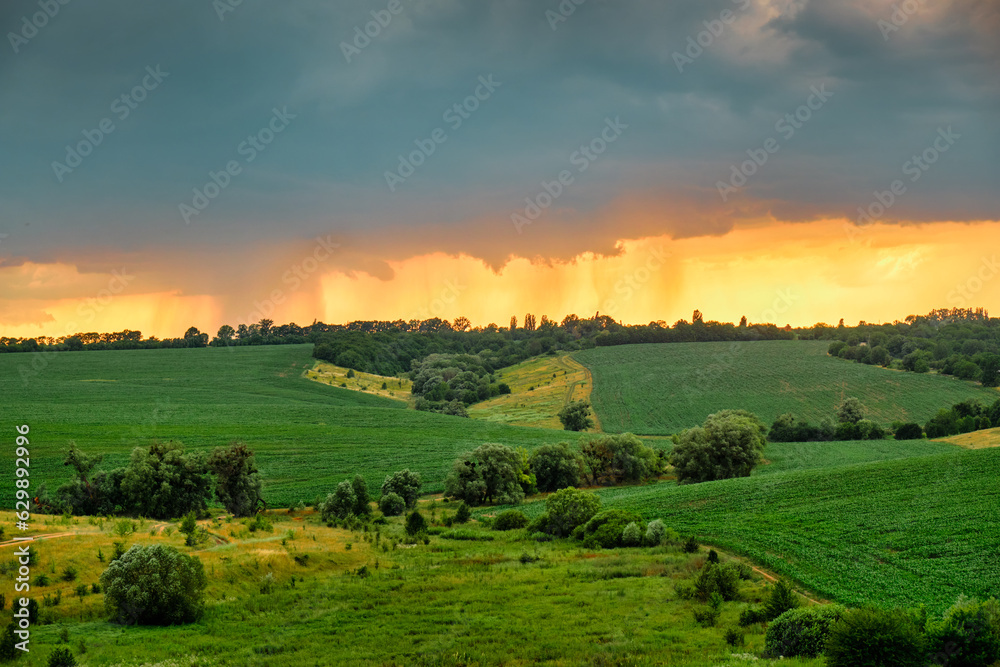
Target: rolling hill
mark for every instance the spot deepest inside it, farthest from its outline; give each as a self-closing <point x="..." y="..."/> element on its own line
<point x="660" y="389"/>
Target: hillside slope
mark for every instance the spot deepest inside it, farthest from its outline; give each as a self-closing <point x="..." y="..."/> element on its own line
<point x="308" y="436"/>
<point x="659" y="389"/>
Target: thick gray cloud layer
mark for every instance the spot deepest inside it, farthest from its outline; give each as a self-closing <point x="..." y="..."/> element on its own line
<point x="892" y="90"/>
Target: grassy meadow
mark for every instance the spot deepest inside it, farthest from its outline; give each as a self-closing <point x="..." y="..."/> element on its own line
<point x="492" y="598"/>
<point x="540" y="387"/>
<point x="308" y="436"/>
<point x="659" y="389"/>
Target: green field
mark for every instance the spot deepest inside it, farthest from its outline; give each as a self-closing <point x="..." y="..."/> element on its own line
<point x="308" y="436"/>
<point x="903" y="531"/>
<point x="659" y="389"/>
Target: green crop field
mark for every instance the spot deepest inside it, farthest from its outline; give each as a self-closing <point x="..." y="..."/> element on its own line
<point x="308" y="436"/>
<point x="904" y="531"/>
<point x="658" y="389"/>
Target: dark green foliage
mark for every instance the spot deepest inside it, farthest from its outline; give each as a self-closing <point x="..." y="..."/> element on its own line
<point x="70" y="573"/>
<point x="751" y="615"/>
<point x="163" y="482"/>
<point x="391" y="504"/>
<point x="781" y="599"/>
<point x="875" y="638"/>
<point x="489" y="474"/>
<point x="729" y="444"/>
<point x="189" y="528"/>
<point x="362" y="501"/>
<point x="619" y="459"/>
<point x="690" y="545"/>
<point x="415" y="523"/>
<point x="32" y="608"/>
<point x="968" y="635"/>
<point x="556" y="467"/>
<point x="604" y="530"/>
<point x="237" y="480"/>
<point x="576" y="416"/>
<point x="713" y="556"/>
<point x="786" y="428"/>
<point x="61" y="657"/>
<point x="405" y="483"/>
<point x="449" y="382"/>
<point x="463" y="513"/>
<point x="8" y="641"/>
<point x="154" y="585"/>
<point x="734" y="637"/>
<point x="801" y="632"/>
<point x="569" y="508"/>
<point x="851" y="411"/>
<point x="909" y="431"/>
<point x="723" y="579"/>
<point x="510" y="520"/>
<point x="340" y="504"/>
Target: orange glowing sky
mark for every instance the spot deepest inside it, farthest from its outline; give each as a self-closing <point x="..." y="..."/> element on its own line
<point x="795" y="274"/>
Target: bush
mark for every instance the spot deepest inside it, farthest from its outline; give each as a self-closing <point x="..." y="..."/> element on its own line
<point x="691" y="545"/>
<point x="604" y="530"/>
<point x="781" y="599"/>
<point x="967" y="635"/>
<point x="707" y="617"/>
<point x="655" y="533"/>
<point x="729" y="444"/>
<point x="404" y="483"/>
<point x="510" y="520"/>
<point x="463" y="514"/>
<point x="632" y="535"/>
<point x="415" y="523"/>
<point x="909" y="432"/>
<point x="569" y="508"/>
<point x="751" y="615"/>
<point x="715" y="578"/>
<point x="70" y="573"/>
<point x="392" y="504"/>
<point x="801" y="632"/>
<point x="61" y="657"/>
<point x="489" y="474"/>
<point x="851" y="411"/>
<point x="869" y="430"/>
<point x="576" y="416"/>
<point x="734" y="637"/>
<point x="154" y="585"/>
<point x="340" y="503"/>
<point x="362" y="500"/>
<point x="556" y="467"/>
<point x="238" y="482"/>
<point x="875" y="638"/>
<point x="619" y="459"/>
<point x="713" y="556"/>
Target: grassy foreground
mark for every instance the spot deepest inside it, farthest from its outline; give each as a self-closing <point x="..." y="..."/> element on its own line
<point x="493" y="598"/>
<point x="659" y="389"/>
<point x="308" y="436"/>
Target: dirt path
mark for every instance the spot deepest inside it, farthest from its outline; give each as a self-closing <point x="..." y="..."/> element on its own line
<point x="571" y="365"/>
<point x="35" y="538"/>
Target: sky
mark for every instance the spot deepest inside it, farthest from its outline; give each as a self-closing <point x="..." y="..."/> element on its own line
<point x="196" y="163"/>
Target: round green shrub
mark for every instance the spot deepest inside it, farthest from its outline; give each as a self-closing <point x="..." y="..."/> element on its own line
<point x="604" y="530"/>
<point x="632" y="535"/>
<point x="968" y="635"/>
<point x="871" y="637"/>
<point x="655" y="533"/>
<point x="392" y="504"/>
<point x="801" y="632"/>
<point x="154" y="585"/>
<point x="723" y="579"/>
<point x="569" y="508"/>
<point x="415" y="523"/>
<point x="510" y="520"/>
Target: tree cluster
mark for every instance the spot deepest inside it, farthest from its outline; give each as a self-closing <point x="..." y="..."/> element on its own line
<point x="161" y="481"/>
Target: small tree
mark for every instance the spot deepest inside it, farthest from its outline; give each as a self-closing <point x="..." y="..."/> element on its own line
<point x="404" y="483"/>
<point x="490" y="474"/>
<point x="851" y="411"/>
<point x="569" y="508"/>
<point x="392" y="504"/>
<point x="781" y="599"/>
<point x="556" y="467"/>
<point x="655" y="533"/>
<point x="238" y="483"/>
<point x="362" y="501"/>
<point x="154" y="585"/>
<point x="189" y="528"/>
<point x="62" y="657"/>
<point x="340" y="503"/>
<point x="729" y="444"/>
<point x="576" y="416"/>
<point x="619" y="459"/>
<point x="463" y="514"/>
<point x="632" y="535"/>
<point x="415" y="523"/>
